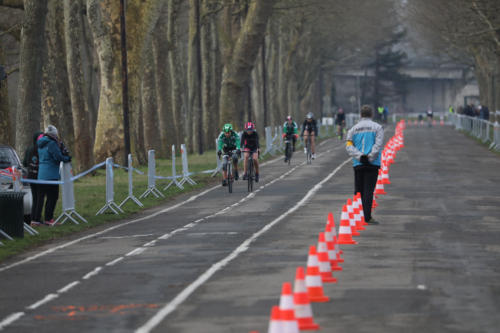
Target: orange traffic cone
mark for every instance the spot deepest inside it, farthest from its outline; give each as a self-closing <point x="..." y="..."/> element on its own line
<point x="385" y="174"/>
<point x="352" y="222"/>
<point x="379" y="189"/>
<point x="357" y="213"/>
<point x="331" y="222"/>
<point x="333" y="255"/>
<point x="374" y="203"/>
<point x="361" y="212"/>
<point x="345" y="236"/>
<point x="287" y="311"/>
<point x="275" y="324"/>
<point x="325" y="268"/>
<point x="313" y="278"/>
<point x="302" y="305"/>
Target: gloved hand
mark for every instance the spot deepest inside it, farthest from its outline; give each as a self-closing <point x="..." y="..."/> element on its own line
<point x="364" y="159"/>
<point x="296" y="136"/>
<point x="283" y="135"/>
<point x="219" y="153"/>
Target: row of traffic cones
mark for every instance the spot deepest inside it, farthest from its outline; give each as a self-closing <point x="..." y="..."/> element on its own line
<point x="294" y="313"/>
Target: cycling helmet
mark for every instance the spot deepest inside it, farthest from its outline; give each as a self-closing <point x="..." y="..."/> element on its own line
<point x="310" y="115"/>
<point x="289" y="118"/>
<point x="249" y="126"/>
<point x="227" y="128"/>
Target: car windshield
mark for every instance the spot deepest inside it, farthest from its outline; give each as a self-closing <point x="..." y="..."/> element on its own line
<point x="8" y="158"/>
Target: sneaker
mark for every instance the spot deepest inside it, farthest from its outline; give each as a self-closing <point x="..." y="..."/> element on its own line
<point x="256" y="177"/>
<point x="236" y="176"/>
<point x="305" y="150"/>
<point x="245" y="176"/>
<point x="313" y="156"/>
<point x="224" y="182"/>
<point x="372" y="221"/>
<point x="50" y="223"/>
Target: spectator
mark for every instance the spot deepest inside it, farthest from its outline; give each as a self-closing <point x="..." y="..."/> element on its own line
<point x="30" y="162"/>
<point x="484" y="112"/>
<point x="469" y="110"/>
<point x="51" y="152"/>
<point x="364" y="143"/>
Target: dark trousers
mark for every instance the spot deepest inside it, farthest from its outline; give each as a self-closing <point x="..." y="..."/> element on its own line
<point x="34" y="203"/>
<point x="51" y="193"/>
<point x="365" y="180"/>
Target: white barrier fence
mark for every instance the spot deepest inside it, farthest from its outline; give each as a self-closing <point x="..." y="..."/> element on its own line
<point x="274" y="145"/>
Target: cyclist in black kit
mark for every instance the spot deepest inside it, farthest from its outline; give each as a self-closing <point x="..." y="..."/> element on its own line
<point x="309" y="128"/>
<point x="250" y="143"/>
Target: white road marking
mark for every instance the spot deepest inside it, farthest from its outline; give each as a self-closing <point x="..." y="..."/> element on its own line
<point x="184" y="294"/>
<point x="130" y="236"/>
<point x="76" y="241"/>
<point x="41" y="302"/>
<point x="213" y="233"/>
<point x="117" y="260"/>
<point x="10" y="319"/>
<point x="136" y="251"/>
<point x="92" y="273"/>
<point x="68" y="287"/>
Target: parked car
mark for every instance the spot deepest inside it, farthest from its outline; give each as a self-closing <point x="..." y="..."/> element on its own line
<point x="9" y="158"/>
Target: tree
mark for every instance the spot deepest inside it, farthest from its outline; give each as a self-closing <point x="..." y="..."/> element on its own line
<point x="30" y="74"/>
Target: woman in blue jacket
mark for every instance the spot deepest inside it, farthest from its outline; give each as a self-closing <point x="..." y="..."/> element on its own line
<point x="51" y="153"/>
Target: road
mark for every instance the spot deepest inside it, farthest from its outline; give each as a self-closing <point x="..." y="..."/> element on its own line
<point x="215" y="262"/>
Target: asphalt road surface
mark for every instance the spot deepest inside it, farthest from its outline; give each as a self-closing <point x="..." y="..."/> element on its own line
<point x="215" y="262"/>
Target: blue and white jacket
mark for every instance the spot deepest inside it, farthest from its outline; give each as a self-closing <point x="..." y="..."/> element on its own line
<point x="365" y="138"/>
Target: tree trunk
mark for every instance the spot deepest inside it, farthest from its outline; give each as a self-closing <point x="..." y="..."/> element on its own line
<point x="177" y="77"/>
<point x="167" y="127"/>
<point x="81" y="123"/>
<point x="56" y="102"/>
<point x="30" y="73"/>
<point x="104" y="19"/>
<point x="149" y="106"/>
<point x="5" y="125"/>
<point x="238" y="70"/>
<point x="275" y="72"/>
<point x="194" y="77"/>
<point x="208" y="73"/>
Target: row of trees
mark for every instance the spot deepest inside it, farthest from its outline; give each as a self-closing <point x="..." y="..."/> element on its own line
<point x="467" y="30"/>
<point x="192" y="66"/>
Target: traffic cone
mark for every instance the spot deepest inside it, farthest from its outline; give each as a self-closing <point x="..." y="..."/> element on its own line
<point x="361" y="211"/>
<point x="325" y="268"/>
<point x="374" y="203"/>
<point x="332" y="251"/>
<point x="275" y="324"/>
<point x="331" y="222"/>
<point x="345" y="236"/>
<point x="385" y="174"/>
<point x="352" y="221"/>
<point x="313" y="278"/>
<point x="357" y="214"/>
<point x="379" y="189"/>
<point x="302" y="305"/>
<point x="287" y="311"/>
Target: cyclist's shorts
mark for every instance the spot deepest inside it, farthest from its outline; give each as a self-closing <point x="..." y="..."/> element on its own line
<point x="250" y="149"/>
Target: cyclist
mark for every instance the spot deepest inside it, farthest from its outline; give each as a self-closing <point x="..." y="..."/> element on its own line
<point x="250" y="143"/>
<point x="309" y="128"/>
<point x="430" y="114"/>
<point x="229" y="143"/>
<point x="340" y="123"/>
<point x="290" y="128"/>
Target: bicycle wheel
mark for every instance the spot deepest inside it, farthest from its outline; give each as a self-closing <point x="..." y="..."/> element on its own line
<point x="309" y="153"/>
<point x="230" y="176"/>
<point x="250" y="173"/>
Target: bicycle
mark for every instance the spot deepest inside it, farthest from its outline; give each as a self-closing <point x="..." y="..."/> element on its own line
<point x="308" y="149"/>
<point x="250" y="170"/>
<point x="288" y="148"/>
<point x="230" y="178"/>
<point x="341" y="131"/>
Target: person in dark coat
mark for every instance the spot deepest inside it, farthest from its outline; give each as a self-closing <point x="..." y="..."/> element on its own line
<point x="30" y="162"/>
<point x="51" y="152"/>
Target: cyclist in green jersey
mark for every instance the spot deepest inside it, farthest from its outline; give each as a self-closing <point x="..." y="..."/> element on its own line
<point x="229" y="144"/>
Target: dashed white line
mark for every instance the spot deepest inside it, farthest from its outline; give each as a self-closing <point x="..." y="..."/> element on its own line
<point x="92" y="273"/>
<point x="41" y="302"/>
<point x="123" y="237"/>
<point x="68" y="287"/>
<point x="10" y="319"/>
<point x="136" y="251"/>
<point x="185" y="293"/>
<point x="113" y="262"/>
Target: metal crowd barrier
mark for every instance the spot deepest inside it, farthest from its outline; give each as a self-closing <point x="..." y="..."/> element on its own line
<point x="482" y="129"/>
